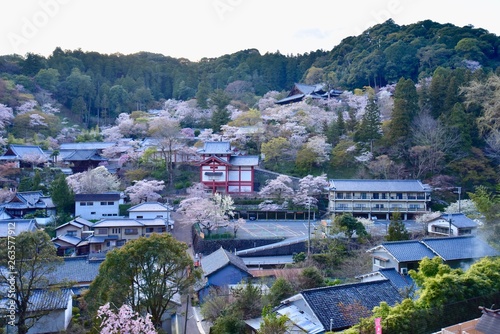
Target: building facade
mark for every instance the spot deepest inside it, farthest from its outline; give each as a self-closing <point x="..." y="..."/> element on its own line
<point x="378" y="199"/>
<point x="223" y="171"/>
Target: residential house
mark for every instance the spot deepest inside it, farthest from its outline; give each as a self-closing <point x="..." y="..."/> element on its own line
<point x="488" y="323"/>
<point x="338" y="307"/>
<point x="151" y="210"/>
<point x="79" y="270"/>
<point x="82" y="156"/>
<point x="379" y="198"/>
<point x="222" y="170"/>
<point x="454" y="251"/>
<point x="70" y="237"/>
<point x="29" y="202"/>
<point x="24" y="155"/>
<point x="98" y="206"/>
<point x="452" y="224"/>
<point x="110" y="233"/>
<point x="221" y="269"/>
<point x="54" y="307"/>
<point x="14" y="227"/>
<point x="301" y="91"/>
<point x="404" y="283"/>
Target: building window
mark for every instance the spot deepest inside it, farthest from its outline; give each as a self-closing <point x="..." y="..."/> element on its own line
<point x="120" y="243"/>
<point x="111" y="203"/>
<point x="140" y="217"/>
<point x="104" y="203"/>
<point x="129" y="231"/>
<point x="117" y="230"/>
<point x="102" y="231"/>
<point x="150" y="229"/>
<point x="92" y="213"/>
<point x="71" y="233"/>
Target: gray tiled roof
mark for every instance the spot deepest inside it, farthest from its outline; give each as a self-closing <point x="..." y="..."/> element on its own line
<point x="47" y="299"/>
<point x="67" y="239"/>
<point x="20" y="151"/>
<point x="378" y="185"/>
<point x="219" y="259"/>
<point x="407" y="251"/>
<point x="345" y="304"/>
<point x="244" y="160"/>
<point x="85" y="146"/>
<point x="458" y="248"/>
<point x="76" y="269"/>
<point x="216" y="147"/>
<point x="83" y="155"/>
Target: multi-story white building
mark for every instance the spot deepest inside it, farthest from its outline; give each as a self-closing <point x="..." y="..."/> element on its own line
<point x="97" y="206"/>
<point x="379" y="198"/>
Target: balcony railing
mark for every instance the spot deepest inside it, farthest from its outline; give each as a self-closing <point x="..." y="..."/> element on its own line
<point x="378" y="209"/>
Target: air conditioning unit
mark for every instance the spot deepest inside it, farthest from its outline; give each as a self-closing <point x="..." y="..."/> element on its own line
<point x="404" y="271"/>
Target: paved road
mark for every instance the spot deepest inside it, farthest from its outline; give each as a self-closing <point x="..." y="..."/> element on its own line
<point x="194" y="326"/>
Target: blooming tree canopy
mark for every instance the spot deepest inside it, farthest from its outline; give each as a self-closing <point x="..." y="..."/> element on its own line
<point x="93" y="181"/>
<point x="145" y="191"/>
<point x="124" y="321"/>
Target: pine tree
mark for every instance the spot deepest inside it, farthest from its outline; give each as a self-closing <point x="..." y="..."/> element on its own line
<point x="405" y="109"/>
<point x="397" y="229"/>
<point x="369" y="128"/>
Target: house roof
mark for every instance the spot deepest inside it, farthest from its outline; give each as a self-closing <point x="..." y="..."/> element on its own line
<point x="406" y="251"/>
<point x="216" y="147"/>
<point x="76" y="269"/>
<point x="83" y="155"/>
<point x="244" y="160"/>
<point x="489" y="322"/>
<point x="20" y="225"/>
<point x="150" y="207"/>
<point x="305" y="321"/>
<point x="118" y="222"/>
<point x="67" y="239"/>
<point x="400" y="282"/>
<point x="219" y="259"/>
<point x="458" y="248"/>
<point x="343" y="305"/>
<point x="378" y="185"/>
<point x="97" y="197"/>
<point x="18" y="152"/>
<point x="45" y="300"/>
<point x="85" y="146"/>
<point x="457" y="219"/>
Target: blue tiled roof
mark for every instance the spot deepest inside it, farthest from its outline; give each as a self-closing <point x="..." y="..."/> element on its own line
<point x="345" y="304"/>
<point x="20" y="225"/>
<point x="400" y="282"/>
<point x="244" y="160"/>
<point x="216" y="147"/>
<point x="219" y="259"/>
<point x="407" y="251"/>
<point x="459" y="220"/>
<point x="458" y="248"/>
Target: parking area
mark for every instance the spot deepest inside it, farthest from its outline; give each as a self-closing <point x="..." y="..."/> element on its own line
<point x="257" y="229"/>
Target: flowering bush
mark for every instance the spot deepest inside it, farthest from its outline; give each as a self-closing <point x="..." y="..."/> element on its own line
<point x="126" y="321"/>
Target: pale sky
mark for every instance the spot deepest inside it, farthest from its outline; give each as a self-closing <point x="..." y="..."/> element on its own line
<point x="195" y="29"/>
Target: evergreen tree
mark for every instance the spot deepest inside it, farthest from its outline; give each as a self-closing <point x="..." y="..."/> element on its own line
<point x="405" y="109"/>
<point x="219" y="100"/>
<point x="62" y="195"/>
<point x="397" y="229"/>
<point x="369" y="128"/>
<point x="202" y="93"/>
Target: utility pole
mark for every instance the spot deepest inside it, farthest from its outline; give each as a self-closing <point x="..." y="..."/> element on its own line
<point x="308" y="228"/>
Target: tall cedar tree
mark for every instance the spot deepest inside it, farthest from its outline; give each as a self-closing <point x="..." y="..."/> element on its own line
<point x="62" y="195"/>
<point x="397" y="229"/>
<point x="405" y="109"/>
<point x="369" y="128"/>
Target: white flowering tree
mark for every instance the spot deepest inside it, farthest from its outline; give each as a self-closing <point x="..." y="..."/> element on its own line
<point x="145" y="191"/>
<point x="124" y="320"/>
<point x="279" y="189"/>
<point x="309" y="188"/>
<point x="93" y="181"/>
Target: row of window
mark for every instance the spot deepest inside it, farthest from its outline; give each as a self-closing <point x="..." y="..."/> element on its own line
<point x="394" y="196"/>
<point x="365" y="207"/>
<point x="129" y="231"/>
<point x="92" y="203"/>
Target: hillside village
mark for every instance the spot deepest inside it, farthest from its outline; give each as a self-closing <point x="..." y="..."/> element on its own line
<point x="321" y="208"/>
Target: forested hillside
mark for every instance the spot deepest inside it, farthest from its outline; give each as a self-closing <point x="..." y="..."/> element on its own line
<point x="419" y="101"/>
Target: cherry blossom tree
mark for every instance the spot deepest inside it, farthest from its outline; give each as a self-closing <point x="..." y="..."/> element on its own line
<point x="34" y="159"/>
<point x="145" y="191"/>
<point x="124" y="321"/>
<point x="93" y="181"/>
<point x="309" y="187"/>
<point x="279" y="189"/>
<point x="6" y="116"/>
<point x="37" y="120"/>
<point x="27" y="107"/>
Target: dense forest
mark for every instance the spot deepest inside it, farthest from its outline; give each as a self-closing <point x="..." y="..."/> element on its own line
<point x="419" y="101"/>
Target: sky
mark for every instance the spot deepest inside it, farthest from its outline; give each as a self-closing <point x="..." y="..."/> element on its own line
<point x="196" y="29"/>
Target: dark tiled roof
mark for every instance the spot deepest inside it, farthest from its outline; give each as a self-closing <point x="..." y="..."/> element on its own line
<point x="219" y="259"/>
<point x="407" y="251"/>
<point x="400" y="282"/>
<point x="76" y="269"/>
<point x="21" y="151"/>
<point x="489" y="322"/>
<point x="67" y="239"/>
<point x="44" y="300"/>
<point x="345" y="304"/>
<point x="458" y="248"/>
<point x="85" y="146"/>
<point x="378" y="185"/>
<point x="97" y="197"/>
<point x="84" y="155"/>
